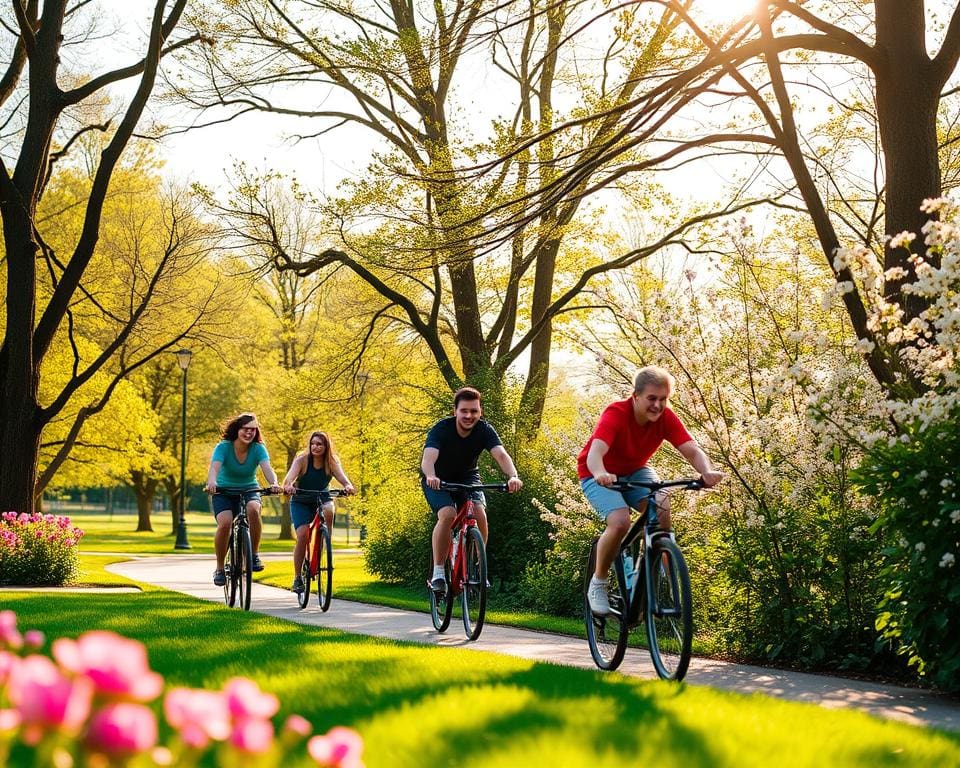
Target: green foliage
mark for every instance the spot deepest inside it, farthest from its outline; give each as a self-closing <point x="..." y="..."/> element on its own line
<point x="914" y="480"/>
<point x="399" y="524"/>
<point x="37" y="550"/>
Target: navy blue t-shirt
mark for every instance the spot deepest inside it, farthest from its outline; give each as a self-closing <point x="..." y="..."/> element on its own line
<point x="457" y="462"/>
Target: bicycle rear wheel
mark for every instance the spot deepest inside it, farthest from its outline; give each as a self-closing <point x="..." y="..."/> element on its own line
<point x="306" y="569"/>
<point x="324" y="568"/>
<point x="669" y="611"/>
<point x="245" y="574"/>
<point x="607" y="635"/>
<point x="230" y="585"/>
<point x="474" y="595"/>
<point x="441" y="606"/>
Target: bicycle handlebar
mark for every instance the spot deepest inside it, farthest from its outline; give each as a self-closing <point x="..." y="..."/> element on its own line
<point x="445" y="486"/>
<point x="241" y="491"/>
<point x="689" y="484"/>
<point x="334" y="492"/>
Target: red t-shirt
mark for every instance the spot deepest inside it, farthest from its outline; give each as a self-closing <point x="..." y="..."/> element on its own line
<point x="631" y="444"/>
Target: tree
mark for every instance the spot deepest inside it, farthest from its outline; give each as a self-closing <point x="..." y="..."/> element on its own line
<point x="455" y="251"/>
<point x="40" y="308"/>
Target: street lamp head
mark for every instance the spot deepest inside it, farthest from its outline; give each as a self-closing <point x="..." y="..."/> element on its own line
<point x="183" y="358"/>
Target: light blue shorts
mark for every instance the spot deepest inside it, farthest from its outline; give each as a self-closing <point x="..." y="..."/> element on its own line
<point x="604" y="501"/>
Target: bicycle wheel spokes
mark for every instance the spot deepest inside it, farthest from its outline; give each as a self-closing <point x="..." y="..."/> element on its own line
<point x="306" y="570"/>
<point x="474" y="595"/>
<point x="324" y="568"/>
<point x="669" y="613"/>
<point x="441" y="606"/>
<point x="245" y="574"/>
<point x="606" y="635"/>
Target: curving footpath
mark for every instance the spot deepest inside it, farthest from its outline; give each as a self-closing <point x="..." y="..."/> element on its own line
<point x="190" y="574"/>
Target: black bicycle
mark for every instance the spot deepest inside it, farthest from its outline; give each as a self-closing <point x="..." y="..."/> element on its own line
<point x="238" y="562"/>
<point x="318" y="557"/>
<point x="648" y="582"/>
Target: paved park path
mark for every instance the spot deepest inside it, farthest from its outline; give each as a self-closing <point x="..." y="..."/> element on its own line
<point x="191" y="574"/>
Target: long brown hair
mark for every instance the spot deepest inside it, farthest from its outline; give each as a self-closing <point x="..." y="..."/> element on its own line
<point x="330" y="460"/>
<point x="230" y="430"/>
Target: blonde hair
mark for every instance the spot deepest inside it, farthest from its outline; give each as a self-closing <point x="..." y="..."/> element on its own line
<point x="653" y="375"/>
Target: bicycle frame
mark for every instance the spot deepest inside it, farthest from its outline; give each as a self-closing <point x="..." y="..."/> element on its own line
<point x="647" y="526"/>
<point x="320" y="521"/>
<point x="240" y="581"/>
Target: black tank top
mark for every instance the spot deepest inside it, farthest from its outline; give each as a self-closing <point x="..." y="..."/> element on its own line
<point x="312" y="480"/>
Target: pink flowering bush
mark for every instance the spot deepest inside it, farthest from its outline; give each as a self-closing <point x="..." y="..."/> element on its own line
<point x="37" y="549"/>
<point x="97" y="704"/>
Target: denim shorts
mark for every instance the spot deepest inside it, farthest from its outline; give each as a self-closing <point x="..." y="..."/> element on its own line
<point x="301" y="512"/>
<point x="604" y="501"/>
<point x="440" y="499"/>
<point x="223" y="503"/>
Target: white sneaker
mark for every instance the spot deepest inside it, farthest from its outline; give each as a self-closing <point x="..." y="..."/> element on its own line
<point x="597" y="597"/>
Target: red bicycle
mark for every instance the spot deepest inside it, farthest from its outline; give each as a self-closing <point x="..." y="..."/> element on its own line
<point x="465" y="567"/>
<point x="318" y="559"/>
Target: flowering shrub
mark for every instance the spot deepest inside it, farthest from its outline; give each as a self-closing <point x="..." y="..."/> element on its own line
<point x="93" y="706"/>
<point x="912" y="452"/>
<point x="37" y="549"/>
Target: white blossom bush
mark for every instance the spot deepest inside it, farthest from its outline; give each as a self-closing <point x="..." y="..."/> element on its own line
<point x="912" y="453"/>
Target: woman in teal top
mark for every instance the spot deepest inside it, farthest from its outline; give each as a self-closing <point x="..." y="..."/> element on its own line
<point x="234" y="465"/>
<point x="311" y="471"/>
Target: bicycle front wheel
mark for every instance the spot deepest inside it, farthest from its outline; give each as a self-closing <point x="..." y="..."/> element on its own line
<point x="441" y="606"/>
<point x="607" y="634"/>
<point x="306" y="569"/>
<point x="669" y="611"/>
<point x="244" y="574"/>
<point x="473" y="596"/>
<point x="230" y="585"/>
<point x="324" y="568"/>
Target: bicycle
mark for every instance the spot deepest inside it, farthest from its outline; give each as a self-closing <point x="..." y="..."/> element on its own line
<point x="318" y="557"/>
<point x="648" y="582"/>
<point x="239" y="559"/>
<point x="465" y="567"/>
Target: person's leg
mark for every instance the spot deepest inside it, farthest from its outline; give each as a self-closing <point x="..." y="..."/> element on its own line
<point x="618" y="523"/>
<point x="441" y="535"/>
<point x="256" y="525"/>
<point x="222" y="536"/>
<point x="300" y="547"/>
<point x="480" y="513"/>
<point x="328" y="518"/>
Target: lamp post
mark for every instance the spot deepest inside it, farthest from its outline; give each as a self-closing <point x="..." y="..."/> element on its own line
<point x="183" y="360"/>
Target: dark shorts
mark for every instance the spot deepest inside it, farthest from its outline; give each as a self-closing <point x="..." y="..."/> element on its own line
<point x="224" y="503"/>
<point x="439" y="499"/>
<point x="301" y="512"/>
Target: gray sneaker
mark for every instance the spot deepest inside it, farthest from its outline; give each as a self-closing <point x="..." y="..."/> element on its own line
<point x="597" y="597"/>
<point x="297" y="585"/>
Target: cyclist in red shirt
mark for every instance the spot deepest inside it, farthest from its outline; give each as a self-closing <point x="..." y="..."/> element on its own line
<point x="626" y="437"/>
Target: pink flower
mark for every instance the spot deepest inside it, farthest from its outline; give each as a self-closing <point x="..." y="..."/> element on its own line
<point x="245" y="699"/>
<point x="9" y="720"/>
<point x="33" y="638"/>
<point x="47" y="699"/>
<point x="298" y="726"/>
<point x="116" y="665"/>
<point x="253" y="735"/>
<point x="122" y="728"/>
<point x="200" y="716"/>
<point x="9" y="634"/>
<point x="7" y="662"/>
<point x="339" y="748"/>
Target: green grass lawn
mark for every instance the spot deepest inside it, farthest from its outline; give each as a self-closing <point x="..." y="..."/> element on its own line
<point x="427" y="706"/>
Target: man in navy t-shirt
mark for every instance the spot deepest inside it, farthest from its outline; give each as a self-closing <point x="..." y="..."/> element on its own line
<point x="454" y="445"/>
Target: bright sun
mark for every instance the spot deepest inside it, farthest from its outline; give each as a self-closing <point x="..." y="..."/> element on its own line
<point x="719" y="11"/>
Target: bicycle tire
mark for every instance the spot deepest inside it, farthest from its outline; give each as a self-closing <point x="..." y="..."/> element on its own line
<point x="473" y="595"/>
<point x="324" y="569"/>
<point x="245" y="577"/>
<point x="306" y="568"/>
<point x="669" y="610"/>
<point x="230" y="585"/>
<point x="606" y="635"/>
<point x="441" y="606"/>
